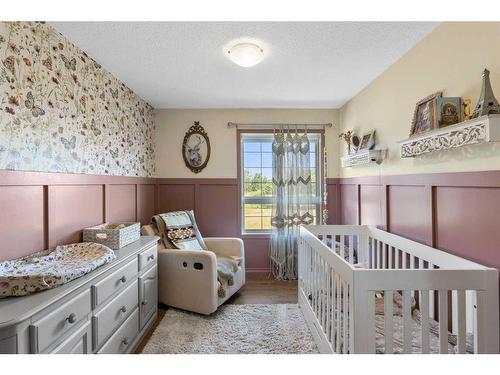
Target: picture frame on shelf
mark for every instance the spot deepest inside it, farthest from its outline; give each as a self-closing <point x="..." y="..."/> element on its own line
<point x="356" y="142"/>
<point x="424" y="116"/>
<point x="449" y="111"/>
<point x="367" y="141"/>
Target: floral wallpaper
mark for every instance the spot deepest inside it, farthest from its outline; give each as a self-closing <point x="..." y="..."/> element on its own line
<point x="60" y="111"/>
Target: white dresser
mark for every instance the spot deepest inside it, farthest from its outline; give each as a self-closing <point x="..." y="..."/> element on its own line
<point x="106" y="311"/>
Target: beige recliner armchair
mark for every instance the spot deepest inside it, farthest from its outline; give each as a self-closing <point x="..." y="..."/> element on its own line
<point x="188" y="278"/>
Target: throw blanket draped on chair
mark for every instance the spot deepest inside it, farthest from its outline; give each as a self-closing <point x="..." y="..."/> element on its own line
<point x="178" y="230"/>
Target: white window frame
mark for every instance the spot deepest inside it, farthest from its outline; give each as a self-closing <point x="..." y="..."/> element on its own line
<point x="260" y="137"/>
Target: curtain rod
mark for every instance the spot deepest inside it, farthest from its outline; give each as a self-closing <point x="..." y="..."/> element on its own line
<point x="268" y="125"/>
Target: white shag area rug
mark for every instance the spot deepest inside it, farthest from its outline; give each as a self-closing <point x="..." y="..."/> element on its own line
<point x="234" y="329"/>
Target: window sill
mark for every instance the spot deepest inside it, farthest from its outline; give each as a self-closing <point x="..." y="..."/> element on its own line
<point x="256" y="235"/>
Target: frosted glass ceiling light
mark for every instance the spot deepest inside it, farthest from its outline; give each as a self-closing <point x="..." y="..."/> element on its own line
<point x="245" y="54"/>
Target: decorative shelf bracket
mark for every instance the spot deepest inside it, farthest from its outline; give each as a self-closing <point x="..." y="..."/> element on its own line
<point x="480" y="130"/>
<point x="363" y="157"/>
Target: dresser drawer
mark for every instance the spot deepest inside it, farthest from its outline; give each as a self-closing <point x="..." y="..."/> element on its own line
<point x="147" y="257"/>
<point x="123" y="337"/>
<point x="8" y="345"/>
<point x="114" y="313"/>
<point x="77" y="343"/>
<point x="114" y="282"/>
<point x="148" y="295"/>
<point x="53" y="325"/>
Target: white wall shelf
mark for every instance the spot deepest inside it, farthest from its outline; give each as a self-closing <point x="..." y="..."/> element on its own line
<point x="363" y="157"/>
<point x="479" y="130"/>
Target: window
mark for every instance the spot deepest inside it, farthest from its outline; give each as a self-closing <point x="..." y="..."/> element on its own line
<point x="256" y="181"/>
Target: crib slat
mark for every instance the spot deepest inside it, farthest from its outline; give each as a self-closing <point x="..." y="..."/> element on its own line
<point x="370" y="334"/>
<point x="431" y="297"/>
<point x="380" y="259"/>
<point x="388" y="321"/>
<point x="372" y="257"/>
<point x="351" y="249"/>
<point x="384" y="257"/>
<point x="334" y="312"/>
<point x="443" y="322"/>
<point x="424" y="310"/>
<point x="344" y="318"/>
<point x="461" y="316"/>
<point x="322" y="292"/>
<point x="347" y="316"/>
<point x="337" y="328"/>
<point x="407" y="321"/>
<point x="325" y="294"/>
<point x="313" y="278"/>
<point x="391" y="250"/>
<point x="396" y="255"/>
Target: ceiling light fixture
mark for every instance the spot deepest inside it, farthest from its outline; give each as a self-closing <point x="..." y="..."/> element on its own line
<point x="245" y="54"/>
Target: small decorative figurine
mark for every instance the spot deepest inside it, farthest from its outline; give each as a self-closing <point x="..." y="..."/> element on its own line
<point x="467" y="104"/>
<point x="487" y="103"/>
<point x="347" y="138"/>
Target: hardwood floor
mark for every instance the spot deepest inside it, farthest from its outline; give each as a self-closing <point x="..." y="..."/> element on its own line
<point x="257" y="290"/>
<point x="265" y="290"/>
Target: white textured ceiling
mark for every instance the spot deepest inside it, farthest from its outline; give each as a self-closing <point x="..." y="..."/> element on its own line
<point x="308" y="64"/>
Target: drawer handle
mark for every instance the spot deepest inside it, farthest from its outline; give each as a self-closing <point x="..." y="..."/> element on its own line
<point x="125" y="341"/>
<point x="123" y="279"/>
<point x="71" y="318"/>
<point x="151" y="257"/>
<point x="123" y="309"/>
<point x="144" y="303"/>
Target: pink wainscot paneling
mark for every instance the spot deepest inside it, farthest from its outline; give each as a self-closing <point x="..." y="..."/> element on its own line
<point x="145" y="203"/>
<point x="333" y="203"/>
<point x="468" y="222"/>
<point x="257" y="255"/>
<point x="22" y="219"/>
<point x="409" y="213"/>
<point x="72" y="208"/>
<point x="176" y="197"/>
<point x="120" y="203"/>
<point x="217" y="209"/>
<point x="371" y="201"/>
<point x="349" y="204"/>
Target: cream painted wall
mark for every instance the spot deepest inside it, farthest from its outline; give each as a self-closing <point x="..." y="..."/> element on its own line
<point x="172" y="124"/>
<point x="450" y="59"/>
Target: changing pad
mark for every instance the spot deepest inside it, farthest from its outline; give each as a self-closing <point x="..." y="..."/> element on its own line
<point x="50" y="268"/>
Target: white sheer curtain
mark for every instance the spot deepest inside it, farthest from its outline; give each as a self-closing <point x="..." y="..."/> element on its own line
<point x="292" y="198"/>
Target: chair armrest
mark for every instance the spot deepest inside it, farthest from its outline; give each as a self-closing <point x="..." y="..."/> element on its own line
<point x="226" y="246"/>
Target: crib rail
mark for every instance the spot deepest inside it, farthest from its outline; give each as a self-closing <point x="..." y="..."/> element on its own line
<point x="325" y="290"/>
<point x="451" y="297"/>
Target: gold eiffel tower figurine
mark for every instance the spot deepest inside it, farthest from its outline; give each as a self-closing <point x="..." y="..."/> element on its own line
<point x="487" y="103"/>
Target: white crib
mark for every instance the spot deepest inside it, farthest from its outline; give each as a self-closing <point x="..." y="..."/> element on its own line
<point x="350" y="278"/>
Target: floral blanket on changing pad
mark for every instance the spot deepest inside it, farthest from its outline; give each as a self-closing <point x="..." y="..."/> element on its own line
<point x="50" y="268"/>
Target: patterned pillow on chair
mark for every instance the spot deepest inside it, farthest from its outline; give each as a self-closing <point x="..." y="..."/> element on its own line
<point x="179" y="230"/>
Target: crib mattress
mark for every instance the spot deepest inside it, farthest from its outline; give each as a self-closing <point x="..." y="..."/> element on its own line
<point x="416" y="329"/>
<point x="51" y="268"/>
<point x="416" y="336"/>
